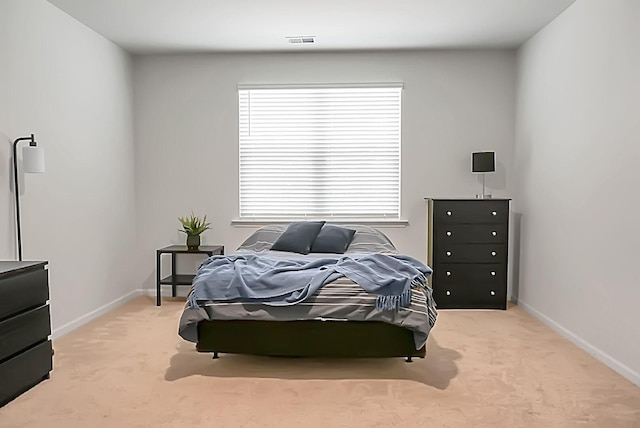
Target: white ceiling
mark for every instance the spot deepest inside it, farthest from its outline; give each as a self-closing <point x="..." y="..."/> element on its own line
<point x="145" y="26"/>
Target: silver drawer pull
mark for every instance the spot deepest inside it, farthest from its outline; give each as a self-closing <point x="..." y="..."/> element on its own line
<point x="494" y="233"/>
<point x="448" y="233"/>
<point x="494" y="213"/>
<point x="493" y="253"/>
<point x="448" y="273"/>
<point x="448" y="253"/>
<point x="448" y="293"/>
<point x="493" y="293"/>
<point x="448" y="212"/>
<point x="493" y="273"/>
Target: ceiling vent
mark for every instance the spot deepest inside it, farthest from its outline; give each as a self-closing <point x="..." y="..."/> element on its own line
<point x="301" y="39"/>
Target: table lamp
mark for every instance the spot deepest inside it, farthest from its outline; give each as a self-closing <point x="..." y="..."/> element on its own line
<point x="481" y="163"/>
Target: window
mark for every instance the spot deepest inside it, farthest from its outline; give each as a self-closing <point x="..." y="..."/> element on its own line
<point x="320" y="152"/>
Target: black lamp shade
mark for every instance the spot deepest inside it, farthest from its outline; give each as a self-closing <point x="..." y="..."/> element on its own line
<point x="483" y="162"/>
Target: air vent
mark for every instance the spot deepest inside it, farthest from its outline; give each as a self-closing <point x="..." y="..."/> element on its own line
<point x="301" y="39"/>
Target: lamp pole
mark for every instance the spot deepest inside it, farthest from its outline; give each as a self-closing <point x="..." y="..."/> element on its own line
<point x="32" y="142"/>
<point x="483" y="185"/>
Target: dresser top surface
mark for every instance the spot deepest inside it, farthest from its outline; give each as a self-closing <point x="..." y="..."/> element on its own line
<point x="467" y="199"/>
<point x="10" y="267"/>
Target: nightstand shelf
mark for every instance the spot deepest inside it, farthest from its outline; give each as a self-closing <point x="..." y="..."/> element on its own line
<point x="175" y="279"/>
<point x="179" y="279"/>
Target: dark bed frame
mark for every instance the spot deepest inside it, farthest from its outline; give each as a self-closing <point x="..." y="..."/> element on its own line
<point x="312" y="338"/>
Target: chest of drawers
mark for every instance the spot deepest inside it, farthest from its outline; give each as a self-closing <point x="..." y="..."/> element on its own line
<point x="25" y="348"/>
<point x="467" y="249"/>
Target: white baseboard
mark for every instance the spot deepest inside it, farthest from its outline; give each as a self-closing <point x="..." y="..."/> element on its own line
<point x="165" y="290"/>
<point x="80" y="321"/>
<point x="602" y="356"/>
<point x="149" y="292"/>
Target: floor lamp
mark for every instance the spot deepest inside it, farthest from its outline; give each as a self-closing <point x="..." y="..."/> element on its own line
<point x="32" y="162"/>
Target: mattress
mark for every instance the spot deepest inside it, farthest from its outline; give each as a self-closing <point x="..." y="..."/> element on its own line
<point x="341" y="300"/>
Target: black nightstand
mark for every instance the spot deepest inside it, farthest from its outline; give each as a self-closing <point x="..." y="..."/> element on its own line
<point x="182" y="279"/>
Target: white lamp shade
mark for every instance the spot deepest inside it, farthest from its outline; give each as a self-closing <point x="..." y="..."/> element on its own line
<point x="32" y="159"/>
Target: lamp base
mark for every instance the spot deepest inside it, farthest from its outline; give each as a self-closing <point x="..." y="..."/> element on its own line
<point x="483" y="196"/>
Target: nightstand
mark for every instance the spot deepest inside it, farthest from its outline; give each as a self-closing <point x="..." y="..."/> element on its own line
<point x="175" y="279"/>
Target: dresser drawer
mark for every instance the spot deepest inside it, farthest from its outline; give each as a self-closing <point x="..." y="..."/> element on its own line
<point x="451" y="273"/>
<point x="475" y="211"/>
<point x="470" y="253"/>
<point x="471" y="233"/>
<point x="23" y="371"/>
<point x="470" y="295"/>
<point x="24" y="330"/>
<point x="23" y="291"/>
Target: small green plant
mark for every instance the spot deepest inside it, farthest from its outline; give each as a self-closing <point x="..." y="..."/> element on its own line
<point x="194" y="225"/>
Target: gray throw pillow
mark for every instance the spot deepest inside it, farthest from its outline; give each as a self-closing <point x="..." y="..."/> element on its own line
<point x="333" y="239"/>
<point x="298" y="237"/>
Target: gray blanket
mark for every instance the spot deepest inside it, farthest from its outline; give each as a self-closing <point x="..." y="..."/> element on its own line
<point x="278" y="282"/>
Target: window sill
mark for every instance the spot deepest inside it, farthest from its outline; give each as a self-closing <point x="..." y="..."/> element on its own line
<point x="242" y="222"/>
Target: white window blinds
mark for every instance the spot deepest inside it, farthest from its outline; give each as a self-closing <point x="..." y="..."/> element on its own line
<point x="320" y="152"/>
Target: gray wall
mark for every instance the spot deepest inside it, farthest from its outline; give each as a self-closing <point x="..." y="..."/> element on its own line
<point x="454" y="102"/>
<point x="577" y="162"/>
<point x="72" y="88"/>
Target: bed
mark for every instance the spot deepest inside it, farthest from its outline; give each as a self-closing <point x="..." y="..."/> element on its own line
<point x="339" y="319"/>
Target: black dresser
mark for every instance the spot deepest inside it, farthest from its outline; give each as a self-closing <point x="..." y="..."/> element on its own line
<point x="25" y="348"/>
<point x="467" y="250"/>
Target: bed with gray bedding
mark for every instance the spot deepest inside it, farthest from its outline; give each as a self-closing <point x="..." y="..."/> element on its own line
<point x="336" y="302"/>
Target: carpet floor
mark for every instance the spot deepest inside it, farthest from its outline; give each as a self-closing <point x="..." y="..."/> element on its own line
<point x="483" y="369"/>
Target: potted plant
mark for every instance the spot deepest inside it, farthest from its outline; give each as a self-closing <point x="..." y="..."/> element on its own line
<point x="193" y="226"/>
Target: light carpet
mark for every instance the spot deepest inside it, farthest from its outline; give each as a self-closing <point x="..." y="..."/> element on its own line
<point x="483" y="369"/>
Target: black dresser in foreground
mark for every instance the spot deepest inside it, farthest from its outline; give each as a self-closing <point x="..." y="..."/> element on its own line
<point x="25" y="348"/>
<point x="468" y="248"/>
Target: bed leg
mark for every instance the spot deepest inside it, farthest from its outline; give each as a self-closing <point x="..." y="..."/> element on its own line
<point x="215" y="356"/>
<point x="408" y="360"/>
